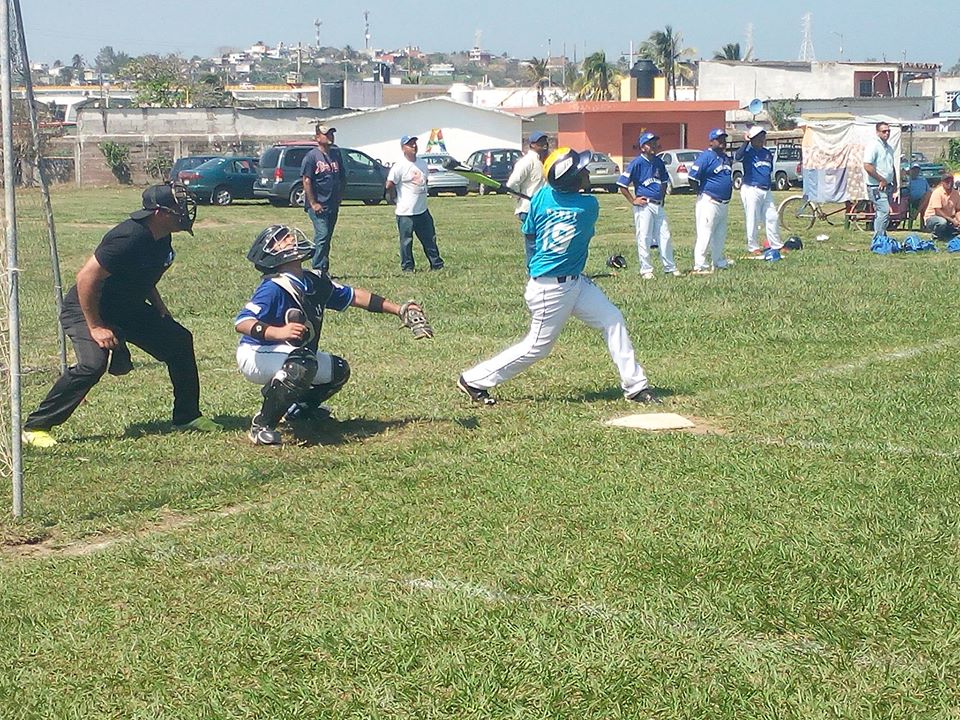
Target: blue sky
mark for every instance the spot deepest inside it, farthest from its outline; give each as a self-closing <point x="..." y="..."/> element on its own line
<point x="56" y="29"/>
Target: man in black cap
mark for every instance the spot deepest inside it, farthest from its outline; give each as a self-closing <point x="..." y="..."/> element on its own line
<point x="116" y="301"/>
<point x="324" y="180"/>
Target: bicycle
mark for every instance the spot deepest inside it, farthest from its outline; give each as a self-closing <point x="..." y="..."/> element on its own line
<point x="797" y="213"/>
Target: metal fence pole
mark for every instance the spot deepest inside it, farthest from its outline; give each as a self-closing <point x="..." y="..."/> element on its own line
<point x="10" y="214"/>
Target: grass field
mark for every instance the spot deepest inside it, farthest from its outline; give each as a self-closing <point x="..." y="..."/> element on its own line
<point x="798" y="557"/>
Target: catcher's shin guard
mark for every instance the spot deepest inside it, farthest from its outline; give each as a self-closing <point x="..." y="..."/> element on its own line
<point x="341" y="374"/>
<point x="290" y="383"/>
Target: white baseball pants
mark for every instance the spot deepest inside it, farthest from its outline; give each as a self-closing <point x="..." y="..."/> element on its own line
<point x="551" y="304"/>
<point x="711" y="232"/>
<point x="649" y="222"/>
<point x="259" y="363"/>
<point x="758" y="206"/>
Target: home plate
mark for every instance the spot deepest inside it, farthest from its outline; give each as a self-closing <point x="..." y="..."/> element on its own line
<point x="653" y="421"/>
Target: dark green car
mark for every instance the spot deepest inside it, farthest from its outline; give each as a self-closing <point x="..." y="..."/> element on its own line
<point x="221" y="180"/>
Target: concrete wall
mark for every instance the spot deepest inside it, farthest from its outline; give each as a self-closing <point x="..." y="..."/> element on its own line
<point x="902" y="108"/>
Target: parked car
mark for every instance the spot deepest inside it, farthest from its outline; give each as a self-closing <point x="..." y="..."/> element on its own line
<point x="678" y="164"/>
<point x="929" y="171"/>
<point x="496" y="163"/>
<point x="221" y="180"/>
<point x="188" y="163"/>
<point x="281" y="184"/>
<point x="439" y="179"/>
<point x="604" y="172"/>
<point x="787" y="168"/>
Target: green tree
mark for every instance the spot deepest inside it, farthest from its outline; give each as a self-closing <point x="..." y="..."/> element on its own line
<point x="109" y="61"/>
<point x="77" y="62"/>
<point x="730" y="51"/>
<point x="539" y="75"/>
<point x="665" y="49"/>
<point x="598" y="78"/>
<point x="782" y="114"/>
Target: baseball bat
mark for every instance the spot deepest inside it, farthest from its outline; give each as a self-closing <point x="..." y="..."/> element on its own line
<point x="456" y="166"/>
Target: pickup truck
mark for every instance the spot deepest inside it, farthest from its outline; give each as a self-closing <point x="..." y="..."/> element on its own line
<point x="787" y="168"/>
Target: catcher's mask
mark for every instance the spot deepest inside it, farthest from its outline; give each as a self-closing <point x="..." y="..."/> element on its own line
<point x="173" y="199"/>
<point x="278" y="245"/>
<point x="793" y="243"/>
<point x="617" y="262"/>
<point x="562" y="168"/>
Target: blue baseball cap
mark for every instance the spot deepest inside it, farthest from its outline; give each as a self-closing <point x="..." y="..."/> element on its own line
<point x="717" y="133"/>
<point x="646" y="138"/>
<point x="537" y="136"/>
<point x="407" y="139"/>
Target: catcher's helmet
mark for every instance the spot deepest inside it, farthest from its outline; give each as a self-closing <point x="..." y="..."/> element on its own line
<point x="617" y="262"/>
<point x="171" y="198"/>
<point x="277" y="245"/>
<point x="793" y="243"/>
<point x="562" y="168"/>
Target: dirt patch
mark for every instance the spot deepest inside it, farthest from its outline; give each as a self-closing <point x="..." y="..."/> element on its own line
<point x="702" y="426"/>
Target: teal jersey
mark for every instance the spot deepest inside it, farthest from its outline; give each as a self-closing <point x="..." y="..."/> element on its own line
<point x="563" y="224"/>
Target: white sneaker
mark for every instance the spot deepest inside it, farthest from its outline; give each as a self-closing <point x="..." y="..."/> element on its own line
<point x="647" y="275"/>
<point x="674" y="273"/>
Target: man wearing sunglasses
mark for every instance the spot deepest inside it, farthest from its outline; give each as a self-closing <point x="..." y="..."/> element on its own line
<point x="880" y="168"/>
<point x="116" y="301"/>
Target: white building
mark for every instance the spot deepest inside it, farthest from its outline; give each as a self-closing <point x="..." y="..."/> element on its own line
<point x="465" y="128"/>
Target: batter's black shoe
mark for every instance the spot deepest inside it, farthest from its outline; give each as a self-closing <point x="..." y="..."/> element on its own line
<point x="263" y="435"/>
<point x="478" y="395"/>
<point x="645" y="397"/>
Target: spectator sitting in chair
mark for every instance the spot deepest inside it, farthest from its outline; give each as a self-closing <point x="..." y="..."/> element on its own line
<point x="942" y="216"/>
<point x="918" y="190"/>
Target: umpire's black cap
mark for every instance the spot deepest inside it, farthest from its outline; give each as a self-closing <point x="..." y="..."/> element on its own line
<point x="156" y="197"/>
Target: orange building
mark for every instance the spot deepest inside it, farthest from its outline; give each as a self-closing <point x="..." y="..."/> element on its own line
<point x="613" y="127"/>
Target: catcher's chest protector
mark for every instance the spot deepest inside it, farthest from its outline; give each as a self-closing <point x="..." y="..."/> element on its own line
<point x="312" y="302"/>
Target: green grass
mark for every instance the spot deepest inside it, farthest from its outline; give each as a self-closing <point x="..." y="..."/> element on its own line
<point x="434" y="559"/>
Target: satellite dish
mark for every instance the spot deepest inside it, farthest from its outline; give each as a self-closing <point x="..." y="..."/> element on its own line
<point x="756" y="106"/>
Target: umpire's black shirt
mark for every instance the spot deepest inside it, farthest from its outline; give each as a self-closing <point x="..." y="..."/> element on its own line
<point x="136" y="262"/>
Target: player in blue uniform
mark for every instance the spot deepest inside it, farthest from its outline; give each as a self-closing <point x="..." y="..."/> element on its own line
<point x="647" y="176"/>
<point x="712" y="176"/>
<point x="280" y="329"/>
<point x="758" y="205"/>
<point x="561" y="221"/>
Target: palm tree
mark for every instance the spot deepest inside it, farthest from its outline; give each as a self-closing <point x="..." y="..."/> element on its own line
<point x="665" y="49"/>
<point x="731" y="51"/>
<point x="539" y="74"/>
<point x="598" y="78"/>
<point x="77" y="62"/>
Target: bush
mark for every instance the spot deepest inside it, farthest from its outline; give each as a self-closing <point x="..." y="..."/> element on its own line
<point x="158" y="167"/>
<point x="118" y="160"/>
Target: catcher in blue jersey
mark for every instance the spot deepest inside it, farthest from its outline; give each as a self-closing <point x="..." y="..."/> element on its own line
<point x="280" y="331"/>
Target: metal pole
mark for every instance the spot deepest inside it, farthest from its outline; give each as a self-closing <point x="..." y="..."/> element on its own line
<point x="44" y="185"/>
<point x="13" y="308"/>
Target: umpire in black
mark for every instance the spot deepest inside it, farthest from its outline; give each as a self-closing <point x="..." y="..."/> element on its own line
<point x="115" y="301"/>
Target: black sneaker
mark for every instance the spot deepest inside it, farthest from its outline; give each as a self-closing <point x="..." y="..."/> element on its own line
<point x="645" y="397"/>
<point x="263" y="435"/>
<point x="478" y="395"/>
<point x="306" y="411"/>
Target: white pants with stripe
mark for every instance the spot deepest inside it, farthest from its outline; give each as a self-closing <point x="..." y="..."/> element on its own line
<point x="758" y="207"/>
<point x="711" y="232"/>
<point x="259" y="363"/>
<point x="650" y="223"/>
<point x="551" y="304"/>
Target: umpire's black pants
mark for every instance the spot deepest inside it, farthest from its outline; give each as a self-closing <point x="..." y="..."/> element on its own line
<point x="160" y="336"/>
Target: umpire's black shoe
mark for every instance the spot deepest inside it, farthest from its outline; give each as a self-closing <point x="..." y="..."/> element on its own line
<point x="120" y="362"/>
<point x="478" y="395"/>
<point x="645" y="397"/>
<point x="263" y="435"/>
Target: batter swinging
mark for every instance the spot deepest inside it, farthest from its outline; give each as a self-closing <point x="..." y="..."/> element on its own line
<point x="561" y="221"/>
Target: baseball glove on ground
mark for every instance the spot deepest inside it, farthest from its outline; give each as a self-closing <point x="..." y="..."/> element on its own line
<point x="412" y="316"/>
<point x="617" y="262"/>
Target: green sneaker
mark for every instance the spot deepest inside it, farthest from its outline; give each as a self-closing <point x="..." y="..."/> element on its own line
<point x="38" y="438"/>
<point x="200" y="424"/>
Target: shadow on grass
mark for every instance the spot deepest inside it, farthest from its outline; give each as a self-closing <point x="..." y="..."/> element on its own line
<point x="614" y="393"/>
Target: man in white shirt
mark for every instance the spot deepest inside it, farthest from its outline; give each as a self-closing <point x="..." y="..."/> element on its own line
<point x="880" y="171"/>
<point x="408" y="178"/>
<point x="527" y="178"/>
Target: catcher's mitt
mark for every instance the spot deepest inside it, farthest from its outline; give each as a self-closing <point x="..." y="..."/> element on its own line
<point x="617" y="262"/>
<point x="413" y="317"/>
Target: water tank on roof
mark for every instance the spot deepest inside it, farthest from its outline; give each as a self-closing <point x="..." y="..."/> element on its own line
<point x="643" y="72"/>
<point x="462" y="93"/>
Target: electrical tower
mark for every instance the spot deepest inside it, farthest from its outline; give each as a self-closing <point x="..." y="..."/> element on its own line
<point x="317" y="23"/>
<point x="748" y="50"/>
<point x="366" y="30"/>
<point x="806" y="47"/>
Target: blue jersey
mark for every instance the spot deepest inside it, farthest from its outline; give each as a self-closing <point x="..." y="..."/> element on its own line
<point x="757" y="165"/>
<point x="712" y="170"/>
<point x="917" y="188"/>
<point x="648" y="178"/>
<point x="327" y="175"/>
<point x="276" y="295"/>
<point x="563" y="224"/>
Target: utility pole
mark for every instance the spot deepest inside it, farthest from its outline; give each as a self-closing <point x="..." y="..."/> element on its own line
<point x="317" y="23"/>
